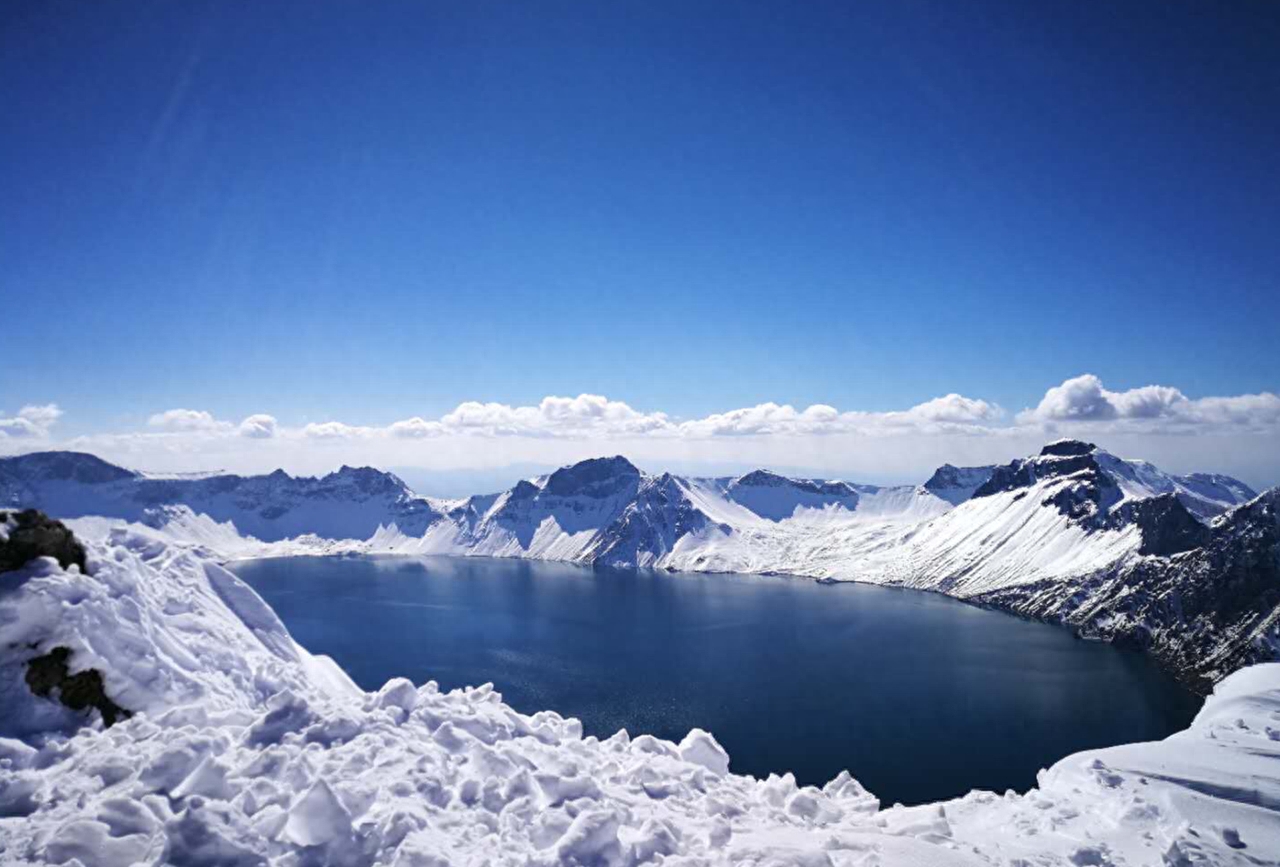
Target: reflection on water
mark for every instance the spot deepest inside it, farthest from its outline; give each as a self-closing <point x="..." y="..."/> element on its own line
<point x="917" y="695"/>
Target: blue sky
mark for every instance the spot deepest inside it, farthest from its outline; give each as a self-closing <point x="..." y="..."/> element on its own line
<point x="375" y="211"/>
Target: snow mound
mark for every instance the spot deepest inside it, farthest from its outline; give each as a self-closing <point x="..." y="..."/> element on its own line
<point x="245" y="749"/>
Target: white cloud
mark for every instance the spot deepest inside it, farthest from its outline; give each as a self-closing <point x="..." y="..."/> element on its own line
<point x="1150" y="401"/>
<point x="259" y="427"/>
<point x="19" y="427"/>
<point x="45" y="415"/>
<point x="954" y="409"/>
<point x="585" y="414"/>
<point x="1078" y="399"/>
<point x="32" y="421"/>
<point x="1084" y="400"/>
<point x="333" y="430"/>
<point x="763" y="419"/>
<point x="415" y="428"/>
<point x="187" y="420"/>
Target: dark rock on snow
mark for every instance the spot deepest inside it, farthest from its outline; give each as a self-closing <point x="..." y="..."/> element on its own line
<point x="34" y="534"/>
<point x="80" y="691"/>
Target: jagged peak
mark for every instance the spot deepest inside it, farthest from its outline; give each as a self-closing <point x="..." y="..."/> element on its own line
<point x="524" y="490"/>
<point x="1267" y="502"/>
<point x="1057" y="460"/>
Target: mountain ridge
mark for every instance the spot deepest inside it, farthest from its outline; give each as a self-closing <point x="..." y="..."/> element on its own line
<point x="1053" y="535"/>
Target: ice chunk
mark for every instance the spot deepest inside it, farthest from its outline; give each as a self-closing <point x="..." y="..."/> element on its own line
<point x="398" y="692"/>
<point x="317" y="817"/>
<point x="591" y="839"/>
<point x="701" y="748"/>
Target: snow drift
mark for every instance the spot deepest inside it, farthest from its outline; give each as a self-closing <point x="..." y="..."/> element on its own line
<point x="244" y="749"/>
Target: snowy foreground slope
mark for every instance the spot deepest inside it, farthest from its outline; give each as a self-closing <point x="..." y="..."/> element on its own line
<point x="1115" y="548"/>
<point x="236" y="747"/>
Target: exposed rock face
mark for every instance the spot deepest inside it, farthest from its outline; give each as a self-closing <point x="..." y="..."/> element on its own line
<point x="1024" y="473"/>
<point x="1092" y="493"/>
<point x="80" y="691"/>
<point x="1180" y="607"/>
<point x="957" y="484"/>
<point x="658" y="517"/>
<point x="1167" y="527"/>
<point x="32" y="534"/>
<point x="1067" y="448"/>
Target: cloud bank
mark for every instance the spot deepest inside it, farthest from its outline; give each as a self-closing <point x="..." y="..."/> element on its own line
<point x="1148" y="421"/>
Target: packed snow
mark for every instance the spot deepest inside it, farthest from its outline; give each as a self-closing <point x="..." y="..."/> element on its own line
<point x="245" y="749"/>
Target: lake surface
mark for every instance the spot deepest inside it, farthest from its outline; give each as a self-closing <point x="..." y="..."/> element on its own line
<point x="919" y="696"/>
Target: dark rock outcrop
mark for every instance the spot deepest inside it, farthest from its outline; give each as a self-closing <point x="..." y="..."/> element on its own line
<point x="1067" y="448"/>
<point x="957" y="484"/>
<point x="659" y="516"/>
<point x="1025" y="473"/>
<point x="80" y="691"/>
<point x="1167" y="526"/>
<point x="34" y="534"/>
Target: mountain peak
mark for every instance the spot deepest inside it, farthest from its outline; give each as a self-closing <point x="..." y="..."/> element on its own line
<point x="67" y="466"/>
<point x="762" y="478"/>
<point x="1066" y="448"/>
<point x="368" y="479"/>
<point x="594" y="477"/>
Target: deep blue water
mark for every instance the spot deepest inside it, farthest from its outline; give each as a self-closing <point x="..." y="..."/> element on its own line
<point x="918" y="696"/>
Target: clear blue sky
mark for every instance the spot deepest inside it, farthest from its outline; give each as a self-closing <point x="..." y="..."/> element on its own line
<point x="372" y="210"/>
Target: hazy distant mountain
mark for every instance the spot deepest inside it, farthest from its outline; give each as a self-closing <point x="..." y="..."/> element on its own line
<point x="349" y="503"/>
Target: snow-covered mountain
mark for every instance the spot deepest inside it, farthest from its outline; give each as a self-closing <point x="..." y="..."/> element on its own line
<point x="1048" y="535"/>
<point x="348" y="504"/>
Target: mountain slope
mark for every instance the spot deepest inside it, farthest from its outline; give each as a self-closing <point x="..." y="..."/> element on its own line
<point x="1204" y="612"/>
